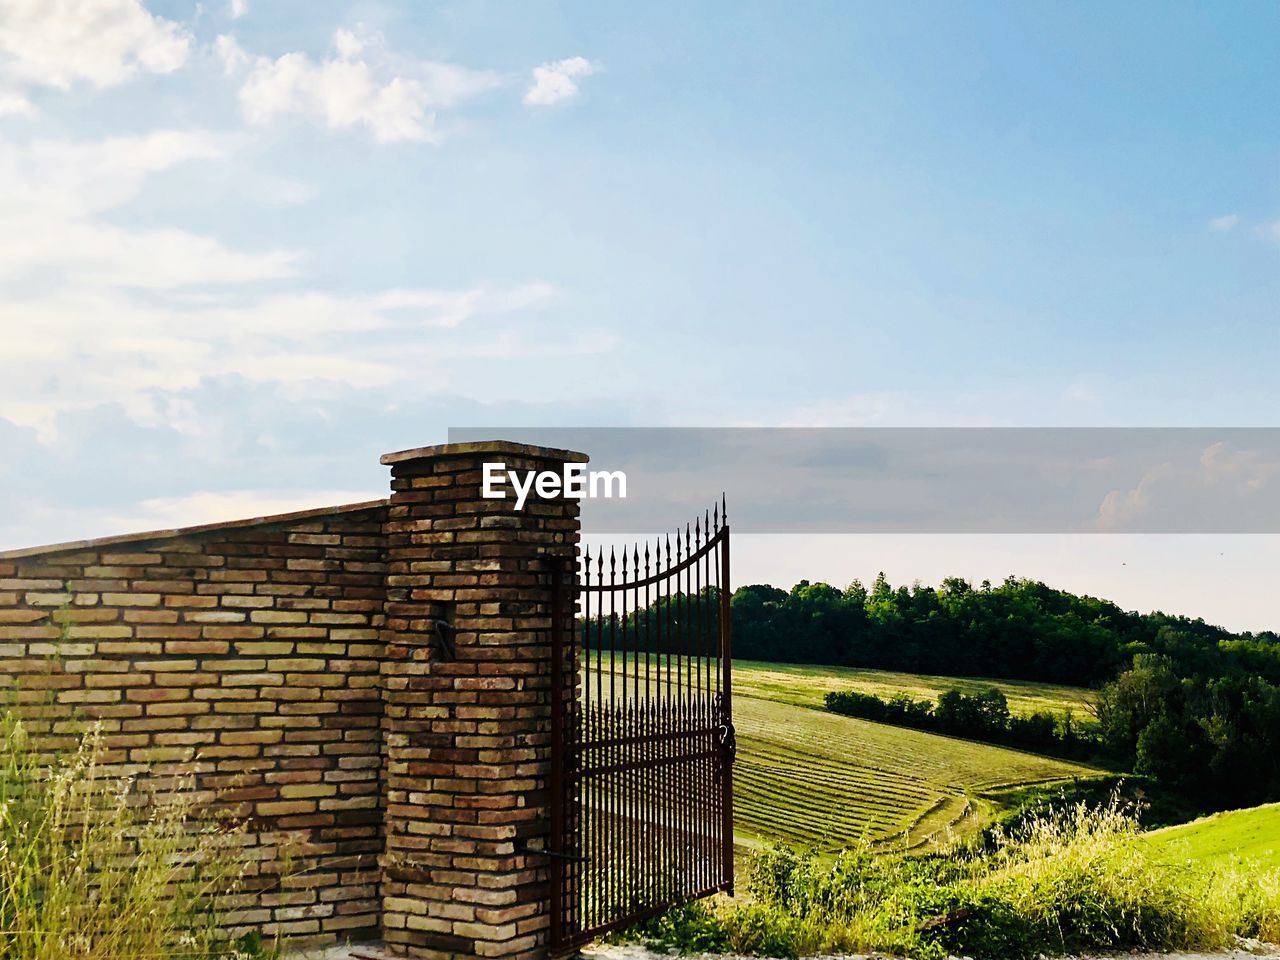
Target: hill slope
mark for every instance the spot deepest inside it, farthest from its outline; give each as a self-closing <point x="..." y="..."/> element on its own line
<point x="809" y="776"/>
<point x="1225" y="838"/>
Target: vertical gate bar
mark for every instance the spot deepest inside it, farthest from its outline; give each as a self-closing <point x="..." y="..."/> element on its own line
<point x="581" y="690"/>
<point x="588" y="730"/>
<point x="615" y="750"/>
<point x="588" y="800"/>
<point x="584" y="721"/>
<point x="668" y="726"/>
<point x="597" y="834"/>
<point x="726" y="653"/>
<point x="719" y="798"/>
<point x="708" y="773"/>
<point x="632" y="745"/>
<point x="681" y="722"/>
<point x="646" y="727"/>
<point x="699" y="646"/>
<point x="557" y="757"/>
<point x="638" y="832"/>
<point x="610" y="821"/>
<point x="620" y="777"/>
<point x="696" y="626"/>
<point x="691" y="768"/>
<point x="678" y="742"/>
<point x="713" y="672"/>
<point x="637" y="730"/>
<point x="712" y="665"/>
<point x="659" y="725"/>
<point x="580" y="721"/>
<point x="695" y="741"/>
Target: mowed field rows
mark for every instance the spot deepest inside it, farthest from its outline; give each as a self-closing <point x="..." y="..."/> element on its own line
<point x="807" y="776"/>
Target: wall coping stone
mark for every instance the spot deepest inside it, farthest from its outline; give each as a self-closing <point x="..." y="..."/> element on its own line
<point x="149" y="535"/>
<point x="483" y="446"/>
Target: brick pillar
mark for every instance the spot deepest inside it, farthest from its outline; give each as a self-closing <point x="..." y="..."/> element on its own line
<point x="467" y="737"/>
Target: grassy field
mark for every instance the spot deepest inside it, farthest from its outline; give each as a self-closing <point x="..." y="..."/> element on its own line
<point x="1251" y="835"/>
<point x="805" y="685"/>
<point x="808" y="776"/>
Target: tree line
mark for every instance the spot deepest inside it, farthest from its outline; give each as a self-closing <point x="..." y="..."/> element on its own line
<point x="1189" y="704"/>
<point x="982" y="715"/>
<point x="1017" y="630"/>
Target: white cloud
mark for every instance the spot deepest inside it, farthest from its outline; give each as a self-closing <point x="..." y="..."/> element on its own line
<point x="557" y="81"/>
<point x="348" y="44"/>
<point x="1224" y="223"/>
<point x="15" y="105"/>
<point x="233" y="56"/>
<point x="360" y="84"/>
<point x="1269" y="231"/>
<point x="135" y="350"/>
<point x="68" y="178"/>
<point x="94" y="312"/>
<point x="56" y="43"/>
<point x="237" y="8"/>
<point x="166" y="513"/>
<point x="51" y="193"/>
<point x="1223" y="485"/>
<point x="96" y="253"/>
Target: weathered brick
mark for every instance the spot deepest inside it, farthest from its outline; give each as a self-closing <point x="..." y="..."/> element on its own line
<point x="281" y="661"/>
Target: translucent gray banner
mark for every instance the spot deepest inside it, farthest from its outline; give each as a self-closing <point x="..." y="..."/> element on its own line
<point x="929" y="480"/>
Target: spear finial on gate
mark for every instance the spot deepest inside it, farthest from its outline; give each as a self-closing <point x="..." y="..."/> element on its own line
<point x="613" y="566"/>
<point x="724" y="509"/>
<point x="697" y="532"/>
<point x="646" y="559"/>
<point x="715" y="516"/>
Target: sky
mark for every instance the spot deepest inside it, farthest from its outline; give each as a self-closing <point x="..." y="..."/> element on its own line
<point x="250" y="245"/>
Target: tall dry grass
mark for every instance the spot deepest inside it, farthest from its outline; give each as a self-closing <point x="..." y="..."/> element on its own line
<point x="92" y="870"/>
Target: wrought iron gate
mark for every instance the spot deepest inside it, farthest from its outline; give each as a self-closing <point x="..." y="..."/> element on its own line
<point x="643" y="741"/>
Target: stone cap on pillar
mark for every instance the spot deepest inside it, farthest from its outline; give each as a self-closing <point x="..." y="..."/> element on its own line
<point x="479" y="447"/>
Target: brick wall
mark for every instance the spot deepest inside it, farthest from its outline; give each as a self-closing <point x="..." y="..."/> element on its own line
<point x="293" y="665"/>
<point x="248" y="653"/>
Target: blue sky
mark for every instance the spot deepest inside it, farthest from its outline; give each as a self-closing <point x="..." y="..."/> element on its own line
<point x="249" y="246"/>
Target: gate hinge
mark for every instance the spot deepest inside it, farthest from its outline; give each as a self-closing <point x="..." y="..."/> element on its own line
<point x="728" y="738"/>
<point x="522" y="847"/>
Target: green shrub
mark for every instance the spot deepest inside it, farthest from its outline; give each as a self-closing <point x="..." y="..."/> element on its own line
<point x="1064" y="881"/>
<point x="91" y="871"/>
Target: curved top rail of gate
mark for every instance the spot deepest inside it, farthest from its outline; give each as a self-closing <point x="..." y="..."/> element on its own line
<point x="689" y="550"/>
